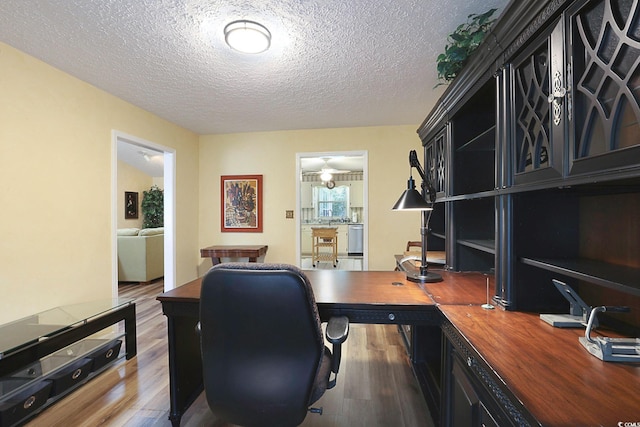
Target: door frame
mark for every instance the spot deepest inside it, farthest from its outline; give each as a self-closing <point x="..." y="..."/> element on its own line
<point x="169" y="183"/>
<point x="365" y="198"/>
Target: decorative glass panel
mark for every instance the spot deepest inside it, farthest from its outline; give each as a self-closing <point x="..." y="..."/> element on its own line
<point x="440" y="163"/>
<point x="606" y="55"/>
<point x="435" y="164"/>
<point x="532" y="112"/>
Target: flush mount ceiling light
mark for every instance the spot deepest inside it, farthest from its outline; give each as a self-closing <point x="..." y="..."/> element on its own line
<point x="247" y="36"/>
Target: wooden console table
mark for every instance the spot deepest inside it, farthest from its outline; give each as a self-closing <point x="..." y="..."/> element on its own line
<point x="253" y="252"/>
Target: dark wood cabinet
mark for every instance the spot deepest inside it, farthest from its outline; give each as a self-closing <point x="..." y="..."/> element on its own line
<point x="471" y="393"/>
<point x="535" y="153"/>
<point x="543" y="135"/>
<point x="424" y="347"/>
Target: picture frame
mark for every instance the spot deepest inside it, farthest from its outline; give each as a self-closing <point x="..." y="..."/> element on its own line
<point x="241" y="203"/>
<point x="130" y="205"/>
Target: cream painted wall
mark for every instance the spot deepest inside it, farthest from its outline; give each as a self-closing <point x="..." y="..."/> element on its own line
<point x="273" y="154"/>
<point x="55" y="170"/>
<point x="131" y="179"/>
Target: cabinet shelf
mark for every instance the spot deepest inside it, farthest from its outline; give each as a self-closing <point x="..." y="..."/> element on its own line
<point x="438" y="235"/>
<point x="484" y="245"/>
<point x="54" y="363"/>
<point x="472" y="196"/>
<point x="485" y="141"/>
<point x="619" y="277"/>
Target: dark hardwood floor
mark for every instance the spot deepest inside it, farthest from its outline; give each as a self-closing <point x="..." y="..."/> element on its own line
<point x="375" y="387"/>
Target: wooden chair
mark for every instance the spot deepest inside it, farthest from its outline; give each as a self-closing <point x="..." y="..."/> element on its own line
<point x="323" y="238"/>
<point x="414" y="244"/>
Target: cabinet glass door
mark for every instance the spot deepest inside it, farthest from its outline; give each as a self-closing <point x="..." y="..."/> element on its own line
<point x="539" y="118"/>
<point x="605" y="58"/>
<point x="435" y="162"/>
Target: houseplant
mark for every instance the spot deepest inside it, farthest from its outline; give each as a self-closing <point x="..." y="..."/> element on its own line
<point x="461" y="44"/>
<point x="153" y="207"/>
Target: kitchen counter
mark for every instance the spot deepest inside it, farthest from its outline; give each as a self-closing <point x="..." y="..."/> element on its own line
<point x="328" y="224"/>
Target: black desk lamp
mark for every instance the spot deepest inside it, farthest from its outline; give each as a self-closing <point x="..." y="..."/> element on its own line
<point x="411" y="200"/>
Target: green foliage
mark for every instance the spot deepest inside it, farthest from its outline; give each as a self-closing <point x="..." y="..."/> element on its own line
<point x="461" y="43"/>
<point x="153" y="208"/>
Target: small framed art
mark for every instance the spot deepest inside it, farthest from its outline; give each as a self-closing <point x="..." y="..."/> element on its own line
<point x="130" y="205"/>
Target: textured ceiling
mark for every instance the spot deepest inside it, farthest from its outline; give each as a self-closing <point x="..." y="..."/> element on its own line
<point x="332" y="63"/>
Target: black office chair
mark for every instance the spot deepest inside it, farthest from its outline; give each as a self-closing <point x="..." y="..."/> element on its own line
<point x="263" y="355"/>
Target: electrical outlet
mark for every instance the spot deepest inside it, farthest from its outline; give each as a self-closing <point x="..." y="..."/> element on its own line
<point x="289" y="214"/>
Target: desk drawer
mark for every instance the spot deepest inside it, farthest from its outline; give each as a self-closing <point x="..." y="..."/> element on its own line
<point x="386" y="315"/>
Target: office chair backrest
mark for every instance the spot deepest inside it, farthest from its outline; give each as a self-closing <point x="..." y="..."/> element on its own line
<point x="261" y="343"/>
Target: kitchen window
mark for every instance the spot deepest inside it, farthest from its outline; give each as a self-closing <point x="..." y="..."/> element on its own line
<point x="332" y="203"/>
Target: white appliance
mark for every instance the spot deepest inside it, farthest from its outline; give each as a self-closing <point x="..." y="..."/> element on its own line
<point x="355" y="239"/>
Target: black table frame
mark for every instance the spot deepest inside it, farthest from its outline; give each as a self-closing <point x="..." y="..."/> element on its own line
<point x="32" y="352"/>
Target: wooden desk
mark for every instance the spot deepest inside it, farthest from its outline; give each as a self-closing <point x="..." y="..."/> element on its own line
<point x="363" y="296"/>
<point x="542" y="370"/>
<point x="253" y="252"/>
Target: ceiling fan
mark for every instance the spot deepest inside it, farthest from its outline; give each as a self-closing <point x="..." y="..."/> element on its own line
<point x="326" y="172"/>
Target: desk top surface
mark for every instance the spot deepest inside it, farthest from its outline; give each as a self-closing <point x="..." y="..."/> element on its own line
<point x="549" y="371"/>
<point x="369" y="288"/>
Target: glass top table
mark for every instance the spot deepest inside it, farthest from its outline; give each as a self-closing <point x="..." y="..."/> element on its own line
<point x="28" y="330"/>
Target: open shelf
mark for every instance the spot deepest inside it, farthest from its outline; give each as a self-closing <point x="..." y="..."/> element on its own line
<point x="622" y="278"/>
<point x="484" y="245"/>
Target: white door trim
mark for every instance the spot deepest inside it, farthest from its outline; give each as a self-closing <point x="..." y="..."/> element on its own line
<point x="169" y="207"/>
<point x="365" y="189"/>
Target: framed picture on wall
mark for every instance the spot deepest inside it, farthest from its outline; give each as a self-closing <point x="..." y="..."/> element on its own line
<point x="241" y="203"/>
<point x="130" y="205"/>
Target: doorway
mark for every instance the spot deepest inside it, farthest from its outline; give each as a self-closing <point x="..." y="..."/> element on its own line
<point x="332" y="190"/>
<point x="154" y="156"/>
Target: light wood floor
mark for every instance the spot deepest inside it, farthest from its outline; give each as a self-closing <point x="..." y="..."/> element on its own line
<point x="375" y="386"/>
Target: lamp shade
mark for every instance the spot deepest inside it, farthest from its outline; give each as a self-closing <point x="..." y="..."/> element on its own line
<point x="411" y="200"/>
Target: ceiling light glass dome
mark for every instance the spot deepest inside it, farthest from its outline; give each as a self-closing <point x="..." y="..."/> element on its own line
<point x="247" y="36"/>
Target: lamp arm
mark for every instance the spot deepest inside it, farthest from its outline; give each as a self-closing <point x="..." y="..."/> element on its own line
<point x="427" y="188"/>
<point x="415" y="163"/>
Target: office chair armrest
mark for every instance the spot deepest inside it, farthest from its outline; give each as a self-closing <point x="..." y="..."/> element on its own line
<point x="337" y="332"/>
<point x="337" y="329"/>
